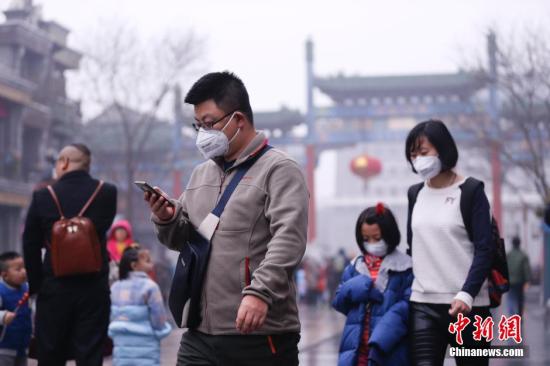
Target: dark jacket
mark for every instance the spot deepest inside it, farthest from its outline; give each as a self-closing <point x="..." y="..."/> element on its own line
<point x="73" y="190"/>
<point x="479" y="230"/>
<point x="518" y="267"/>
<point x="388" y="299"/>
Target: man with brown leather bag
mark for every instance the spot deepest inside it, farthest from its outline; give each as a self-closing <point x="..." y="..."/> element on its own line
<point x="69" y="220"/>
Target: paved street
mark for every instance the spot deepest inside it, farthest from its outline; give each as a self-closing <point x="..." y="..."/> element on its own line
<point x="535" y="332"/>
<point x="321" y="328"/>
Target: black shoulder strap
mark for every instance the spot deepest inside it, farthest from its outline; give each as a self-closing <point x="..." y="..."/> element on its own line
<point x="468" y="188"/>
<point x="241" y="171"/>
<point x="412" y="194"/>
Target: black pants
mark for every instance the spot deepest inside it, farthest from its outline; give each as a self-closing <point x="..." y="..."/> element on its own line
<point x="72" y="325"/>
<point x="199" y="349"/>
<point x="430" y="335"/>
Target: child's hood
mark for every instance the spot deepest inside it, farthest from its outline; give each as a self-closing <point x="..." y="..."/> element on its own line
<point x="125" y="224"/>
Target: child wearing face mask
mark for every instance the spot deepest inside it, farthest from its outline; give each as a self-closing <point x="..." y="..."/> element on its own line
<point x="374" y="294"/>
<point x="138" y="318"/>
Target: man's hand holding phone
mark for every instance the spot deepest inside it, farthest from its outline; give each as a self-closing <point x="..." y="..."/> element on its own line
<point x="158" y="201"/>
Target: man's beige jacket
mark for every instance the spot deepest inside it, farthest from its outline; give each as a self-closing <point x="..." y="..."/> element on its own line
<point x="260" y="240"/>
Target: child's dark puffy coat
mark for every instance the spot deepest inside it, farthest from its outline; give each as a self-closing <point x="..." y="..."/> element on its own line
<point x="389" y="299"/>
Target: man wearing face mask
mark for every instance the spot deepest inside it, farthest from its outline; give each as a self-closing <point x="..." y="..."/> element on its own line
<point x="248" y="304"/>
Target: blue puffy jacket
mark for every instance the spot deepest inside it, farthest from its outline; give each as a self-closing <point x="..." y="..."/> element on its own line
<point x="388" y="298"/>
<point x="136" y="343"/>
<point x="18" y="333"/>
<point x="138" y="321"/>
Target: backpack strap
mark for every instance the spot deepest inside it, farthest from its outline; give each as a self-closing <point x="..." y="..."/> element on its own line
<point x="468" y="189"/>
<point x="94" y="195"/>
<point x="56" y="200"/>
<point x="412" y="194"/>
<point x="241" y="171"/>
<point x="210" y="223"/>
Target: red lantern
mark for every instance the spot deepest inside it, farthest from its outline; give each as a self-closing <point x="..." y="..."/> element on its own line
<point x="366" y="166"/>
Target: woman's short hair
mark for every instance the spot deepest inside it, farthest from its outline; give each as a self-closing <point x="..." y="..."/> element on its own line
<point x="439" y="136"/>
<point x="382" y="216"/>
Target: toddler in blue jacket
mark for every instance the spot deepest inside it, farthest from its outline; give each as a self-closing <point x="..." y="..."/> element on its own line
<point x="138" y="318"/>
<point x="374" y="294"/>
<point x="15" y="314"/>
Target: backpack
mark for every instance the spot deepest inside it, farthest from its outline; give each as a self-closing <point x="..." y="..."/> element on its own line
<point x="75" y="247"/>
<point x="499" y="281"/>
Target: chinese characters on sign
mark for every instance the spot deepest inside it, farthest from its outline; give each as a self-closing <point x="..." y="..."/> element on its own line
<point x="508" y="328"/>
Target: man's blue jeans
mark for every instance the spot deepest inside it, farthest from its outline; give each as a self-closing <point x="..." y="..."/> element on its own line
<point x="516" y="299"/>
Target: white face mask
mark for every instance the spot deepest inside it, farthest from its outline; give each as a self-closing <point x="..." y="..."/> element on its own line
<point x="427" y="166"/>
<point x="214" y="143"/>
<point x="379" y="249"/>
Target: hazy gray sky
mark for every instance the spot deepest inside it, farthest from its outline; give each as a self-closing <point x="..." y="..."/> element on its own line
<point x="263" y="41"/>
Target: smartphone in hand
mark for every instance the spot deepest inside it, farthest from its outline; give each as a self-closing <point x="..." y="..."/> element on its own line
<point x="146" y="187"/>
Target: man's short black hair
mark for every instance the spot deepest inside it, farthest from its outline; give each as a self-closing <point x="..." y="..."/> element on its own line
<point x="225" y="89"/>
<point x="385" y="220"/>
<point x="516" y="241"/>
<point x="87" y="161"/>
<point x="439" y="136"/>
<point x="5" y="258"/>
<point x="82" y="148"/>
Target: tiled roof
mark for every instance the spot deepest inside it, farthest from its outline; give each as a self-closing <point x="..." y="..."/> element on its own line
<point x="457" y="83"/>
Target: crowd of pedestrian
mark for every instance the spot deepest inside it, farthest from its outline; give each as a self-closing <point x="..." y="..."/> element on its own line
<point x="240" y="230"/>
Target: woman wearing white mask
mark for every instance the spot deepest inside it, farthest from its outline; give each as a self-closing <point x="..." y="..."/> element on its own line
<point x="450" y="269"/>
<point x="374" y="294"/>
